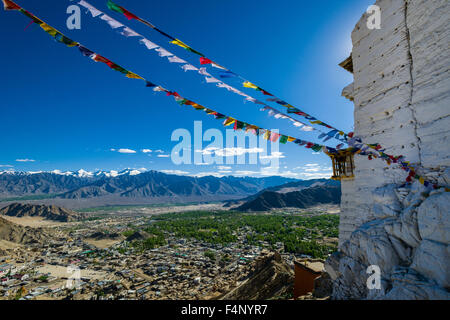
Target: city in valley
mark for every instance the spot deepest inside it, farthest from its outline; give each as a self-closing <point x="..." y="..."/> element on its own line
<point x="199" y="251"/>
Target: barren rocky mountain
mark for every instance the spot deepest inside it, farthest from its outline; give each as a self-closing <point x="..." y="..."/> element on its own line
<point x="53" y="213"/>
<point x="302" y="194"/>
<point x="22" y="235"/>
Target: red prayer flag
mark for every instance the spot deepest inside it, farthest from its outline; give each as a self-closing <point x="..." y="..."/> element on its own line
<point x="9" y="5"/>
<point x="99" y="58"/>
<point x="204" y="60"/>
<point x="275" y="137"/>
<point x="129" y="15"/>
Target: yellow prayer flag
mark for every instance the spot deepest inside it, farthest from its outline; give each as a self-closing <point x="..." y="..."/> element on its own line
<point x="267" y="135"/>
<point x="51" y="31"/>
<point x="132" y="75"/>
<point x="250" y="85"/>
<point x="229" y="121"/>
<point x="180" y="43"/>
<point x="291" y="139"/>
<point x="422" y="181"/>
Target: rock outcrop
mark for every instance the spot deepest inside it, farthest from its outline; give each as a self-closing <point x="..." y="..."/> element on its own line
<point x="271" y="278"/>
<point x="411" y="249"/>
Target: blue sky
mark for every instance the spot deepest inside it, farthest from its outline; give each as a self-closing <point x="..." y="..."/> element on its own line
<point x="61" y="111"/>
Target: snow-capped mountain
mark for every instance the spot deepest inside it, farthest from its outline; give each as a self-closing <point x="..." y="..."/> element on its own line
<point x="128" y="183"/>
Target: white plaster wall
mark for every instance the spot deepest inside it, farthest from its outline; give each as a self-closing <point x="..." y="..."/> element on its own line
<point x="401" y="94"/>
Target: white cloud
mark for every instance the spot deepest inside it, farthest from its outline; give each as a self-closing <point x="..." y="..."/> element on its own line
<point x="146" y="151"/>
<point x="25" y="160"/>
<point x="274" y="155"/>
<point x="207" y="174"/>
<point x="312" y="165"/>
<point x="126" y="151"/>
<point x="159" y="151"/>
<point x="312" y="169"/>
<point x="246" y="173"/>
<point x="229" y="152"/>
<point x="177" y="172"/>
<point x="6" y="166"/>
<point x="224" y="168"/>
<point x="317" y="175"/>
<point x="163" y="156"/>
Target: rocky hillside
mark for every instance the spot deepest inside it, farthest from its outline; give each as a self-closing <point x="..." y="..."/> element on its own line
<point x="271" y="278"/>
<point x="53" y="213"/>
<point x="18" y="234"/>
<point x="302" y="194"/>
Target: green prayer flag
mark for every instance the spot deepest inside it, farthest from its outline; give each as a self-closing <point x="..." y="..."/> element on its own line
<point x="316" y="148"/>
<point x="283" y="139"/>
<point x="114" y="7"/>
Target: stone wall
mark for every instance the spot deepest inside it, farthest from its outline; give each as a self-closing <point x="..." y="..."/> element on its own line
<point x="401" y="93"/>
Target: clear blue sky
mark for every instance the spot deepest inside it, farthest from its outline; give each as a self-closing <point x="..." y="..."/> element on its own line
<point x="66" y="112"/>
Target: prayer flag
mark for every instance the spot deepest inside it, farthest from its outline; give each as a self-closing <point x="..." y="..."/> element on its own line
<point x="114" y="7"/>
<point x="163" y="52"/>
<point x="129" y="15"/>
<point x="132" y="75"/>
<point x="9" y="5"/>
<point x="175" y="59"/>
<point x="150" y="45"/>
<point x="249" y="85"/>
<point x="94" y="12"/>
<point x="180" y="43"/>
<point x="189" y="67"/>
<point x="150" y="85"/>
<point x="127" y="32"/>
<point x="51" y="31"/>
<point x="113" y="23"/>
<point x="229" y="121"/>
<point x="204" y="60"/>
<point x="284" y="139"/>
<point x="85" y="51"/>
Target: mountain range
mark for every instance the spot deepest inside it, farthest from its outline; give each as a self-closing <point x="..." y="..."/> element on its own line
<point x="127" y="187"/>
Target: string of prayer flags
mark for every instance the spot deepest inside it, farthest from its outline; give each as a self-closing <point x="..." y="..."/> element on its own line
<point x="207" y="61"/>
<point x="162" y="52"/>
<point x="358" y="147"/>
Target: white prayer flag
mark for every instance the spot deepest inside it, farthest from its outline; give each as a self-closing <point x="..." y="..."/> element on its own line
<point x="163" y="52"/>
<point x="127" y="32"/>
<point x="203" y="72"/>
<point x="211" y="80"/>
<point x="113" y="23"/>
<point x="188" y="67"/>
<point x="175" y="59"/>
<point x="150" y="45"/>
<point x="91" y="9"/>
